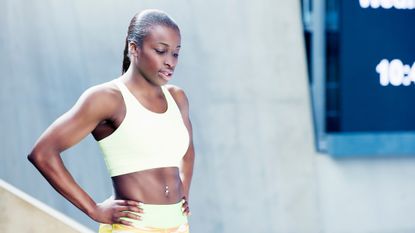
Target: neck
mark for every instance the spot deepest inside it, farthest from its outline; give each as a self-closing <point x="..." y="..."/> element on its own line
<point x="137" y="81"/>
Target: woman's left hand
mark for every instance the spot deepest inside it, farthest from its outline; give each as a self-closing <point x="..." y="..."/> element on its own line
<point x="185" y="207"/>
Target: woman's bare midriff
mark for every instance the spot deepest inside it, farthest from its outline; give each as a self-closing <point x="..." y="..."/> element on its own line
<point x="153" y="186"/>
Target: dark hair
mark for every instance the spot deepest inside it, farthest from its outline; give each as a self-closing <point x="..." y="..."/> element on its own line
<point x="140" y="26"/>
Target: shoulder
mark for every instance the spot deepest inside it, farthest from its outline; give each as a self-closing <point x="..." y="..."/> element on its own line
<point x="102" y="97"/>
<point x="178" y="95"/>
<point x="107" y="90"/>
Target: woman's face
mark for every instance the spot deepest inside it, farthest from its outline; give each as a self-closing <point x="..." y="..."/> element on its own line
<point x="158" y="56"/>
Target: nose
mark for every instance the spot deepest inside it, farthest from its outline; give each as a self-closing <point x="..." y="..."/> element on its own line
<point x="170" y="61"/>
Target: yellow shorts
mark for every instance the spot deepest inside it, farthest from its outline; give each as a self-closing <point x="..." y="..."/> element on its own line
<point x="155" y="219"/>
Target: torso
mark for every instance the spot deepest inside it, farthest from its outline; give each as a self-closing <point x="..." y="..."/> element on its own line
<point x="148" y="186"/>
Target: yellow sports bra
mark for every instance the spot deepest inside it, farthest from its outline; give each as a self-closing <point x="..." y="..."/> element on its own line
<point x="145" y="139"/>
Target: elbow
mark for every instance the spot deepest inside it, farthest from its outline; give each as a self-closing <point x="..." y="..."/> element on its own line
<point x="46" y="161"/>
<point x="34" y="157"/>
<point x="30" y="157"/>
<point x="38" y="158"/>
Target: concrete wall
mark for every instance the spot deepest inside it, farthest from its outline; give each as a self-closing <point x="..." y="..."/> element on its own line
<point x="366" y="195"/>
<point x="243" y="67"/>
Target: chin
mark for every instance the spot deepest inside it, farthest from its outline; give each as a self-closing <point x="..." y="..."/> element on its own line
<point x="159" y="83"/>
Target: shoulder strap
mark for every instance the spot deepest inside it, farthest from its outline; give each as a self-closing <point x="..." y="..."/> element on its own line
<point x="126" y="94"/>
<point x="170" y="99"/>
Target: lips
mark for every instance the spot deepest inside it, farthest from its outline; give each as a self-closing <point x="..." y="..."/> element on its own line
<point x="166" y="74"/>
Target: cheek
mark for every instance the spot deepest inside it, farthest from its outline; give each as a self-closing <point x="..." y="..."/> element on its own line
<point x="151" y="61"/>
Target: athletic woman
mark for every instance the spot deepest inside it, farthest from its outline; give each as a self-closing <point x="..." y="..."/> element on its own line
<point x="143" y="129"/>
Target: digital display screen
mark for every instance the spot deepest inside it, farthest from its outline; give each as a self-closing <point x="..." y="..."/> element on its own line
<point x="377" y="65"/>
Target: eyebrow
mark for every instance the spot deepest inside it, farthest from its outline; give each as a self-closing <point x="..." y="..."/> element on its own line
<point x="179" y="46"/>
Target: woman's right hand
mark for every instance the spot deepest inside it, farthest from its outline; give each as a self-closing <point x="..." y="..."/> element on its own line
<point x="111" y="211"/>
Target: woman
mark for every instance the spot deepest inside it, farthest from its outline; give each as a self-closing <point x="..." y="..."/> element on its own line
<point x="144" y="131"/>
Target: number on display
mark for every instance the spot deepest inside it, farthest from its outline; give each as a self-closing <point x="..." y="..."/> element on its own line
<point x="395" y="73"/>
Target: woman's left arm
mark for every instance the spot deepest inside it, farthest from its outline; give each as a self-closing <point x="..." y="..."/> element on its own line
<point x="187" y="166"/>
<point x="186" y="170"/>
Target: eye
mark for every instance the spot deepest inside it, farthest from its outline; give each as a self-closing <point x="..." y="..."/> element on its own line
<point x="176" y="55"/>
<point x="159" y="51"/>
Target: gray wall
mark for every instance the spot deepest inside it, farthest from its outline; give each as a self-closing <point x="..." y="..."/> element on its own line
<point x="243" y="68"/>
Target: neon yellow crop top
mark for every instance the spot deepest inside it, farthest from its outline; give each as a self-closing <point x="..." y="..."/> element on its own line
<point x="145" y="139"/>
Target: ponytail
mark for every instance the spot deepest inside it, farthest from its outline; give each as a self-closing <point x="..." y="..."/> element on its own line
<point x="126" y="60"/>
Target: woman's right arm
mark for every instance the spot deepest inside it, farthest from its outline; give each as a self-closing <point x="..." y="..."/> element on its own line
<point x="94" y="105"/>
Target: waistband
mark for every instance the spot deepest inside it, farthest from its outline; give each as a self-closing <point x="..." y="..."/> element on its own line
<point x="160" y="216"/>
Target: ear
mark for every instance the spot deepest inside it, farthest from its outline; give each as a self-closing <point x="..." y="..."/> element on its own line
<point x="133" y="49"/>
